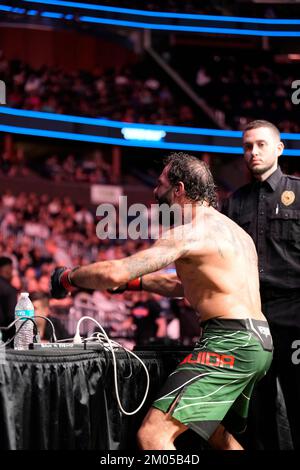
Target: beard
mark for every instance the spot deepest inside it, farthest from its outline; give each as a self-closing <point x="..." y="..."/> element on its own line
<point x="164" y="198"/>
<point x="260" y="170"/>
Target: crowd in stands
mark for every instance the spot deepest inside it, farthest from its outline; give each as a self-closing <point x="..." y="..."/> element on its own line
<point x="46" y="231"/>
<point x="244" y="88"/>
<point x="244" y="91"/>
<point x="90" y="168"/>
<point x="131" y="94"/>
<point x="237" y="90"/>
<point x="93" y="169"/>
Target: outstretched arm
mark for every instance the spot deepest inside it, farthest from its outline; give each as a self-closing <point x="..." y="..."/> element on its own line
<point x="108" y="274"/>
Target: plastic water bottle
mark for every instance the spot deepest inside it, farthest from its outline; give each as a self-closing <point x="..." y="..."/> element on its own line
<point x="24" y="308"/>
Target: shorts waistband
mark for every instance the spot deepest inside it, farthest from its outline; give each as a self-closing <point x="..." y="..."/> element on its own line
<point x="259" y="328"/>
<point x="235" y="324"/>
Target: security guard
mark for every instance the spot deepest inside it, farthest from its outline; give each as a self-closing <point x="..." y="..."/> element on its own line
<point x="269" y="210"/>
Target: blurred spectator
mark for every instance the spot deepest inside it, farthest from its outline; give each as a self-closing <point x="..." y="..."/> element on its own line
<point x="40" y="302"/>
<point x="83" y="216"/>
<point x="189" y="324"/>
<point x="8" y="296"/>
<point x="146" y="320"/>
<point x="8" y="199"/>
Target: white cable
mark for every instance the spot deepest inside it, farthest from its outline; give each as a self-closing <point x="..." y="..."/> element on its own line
<point x="110" y="347"/>
<point x="64" y="340"/>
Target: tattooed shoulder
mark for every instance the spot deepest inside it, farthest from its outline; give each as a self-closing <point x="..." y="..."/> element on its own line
<point x="157" y="257"/>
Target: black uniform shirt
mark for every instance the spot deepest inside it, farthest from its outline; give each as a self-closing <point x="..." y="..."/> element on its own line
<point x="270" y="212"/>
<point x="8" y="301"/>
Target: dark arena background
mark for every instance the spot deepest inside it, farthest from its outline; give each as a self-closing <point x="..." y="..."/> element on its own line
<point x="93" y="96"/>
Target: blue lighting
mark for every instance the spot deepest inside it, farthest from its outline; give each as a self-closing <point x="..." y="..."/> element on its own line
<point x="32" y="12"/>
<point x="191" y="29"/>
<point x="116" y="141"/>
<point x="130" y="133"/>
<point x="289" y="136"/>
<point x="120" y="124"/>
<point x="229" y="150"/>
<point x="167" y="27"/>
<point x="21" y="11"/>
<point x="158" y="14"/>
<point x="50" y="14"/>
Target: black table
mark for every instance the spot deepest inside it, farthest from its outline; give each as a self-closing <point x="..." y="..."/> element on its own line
<point x="53" y="399"/>
<point x="65" y="399"/>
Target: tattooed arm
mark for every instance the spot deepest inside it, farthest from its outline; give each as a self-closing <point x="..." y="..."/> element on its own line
<point x="108" y="274"/>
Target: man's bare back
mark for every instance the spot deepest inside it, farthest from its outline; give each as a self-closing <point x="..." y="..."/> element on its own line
<point x="219" y="272"/>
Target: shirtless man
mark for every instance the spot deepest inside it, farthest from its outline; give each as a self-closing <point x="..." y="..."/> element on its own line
<point x="216" y="266"/>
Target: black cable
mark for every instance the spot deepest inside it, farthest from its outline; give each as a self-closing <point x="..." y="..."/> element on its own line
<point x="6" y="328"/>
<point x="24" y="320"/>
<point x="53" y="336"/>
<point x="54" y="339"/>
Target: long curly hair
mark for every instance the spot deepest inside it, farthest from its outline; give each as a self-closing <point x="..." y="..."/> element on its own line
<point x="194" y="174"/>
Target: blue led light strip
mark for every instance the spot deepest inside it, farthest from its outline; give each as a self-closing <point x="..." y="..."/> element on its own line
<point x="187" y="28"/>
<point x="191" y="29"/>
<point x="133" y="143"/>
<point x="120" y="124"/>
<point x="171" y="27"/>
<point x="52" y="14"/>
<point x="158" y="14"/>
<point x="123" y="142"/>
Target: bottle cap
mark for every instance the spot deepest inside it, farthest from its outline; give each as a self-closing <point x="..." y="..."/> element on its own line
<point x="25" y="294"/>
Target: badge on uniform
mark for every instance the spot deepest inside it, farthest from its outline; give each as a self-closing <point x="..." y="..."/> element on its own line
<point x="287" y="197"/>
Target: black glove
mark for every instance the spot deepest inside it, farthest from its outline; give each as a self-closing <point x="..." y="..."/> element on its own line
<point x="60" y="284"/>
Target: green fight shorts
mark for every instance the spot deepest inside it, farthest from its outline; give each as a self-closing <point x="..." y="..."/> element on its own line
<point x="214" y="383"/>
